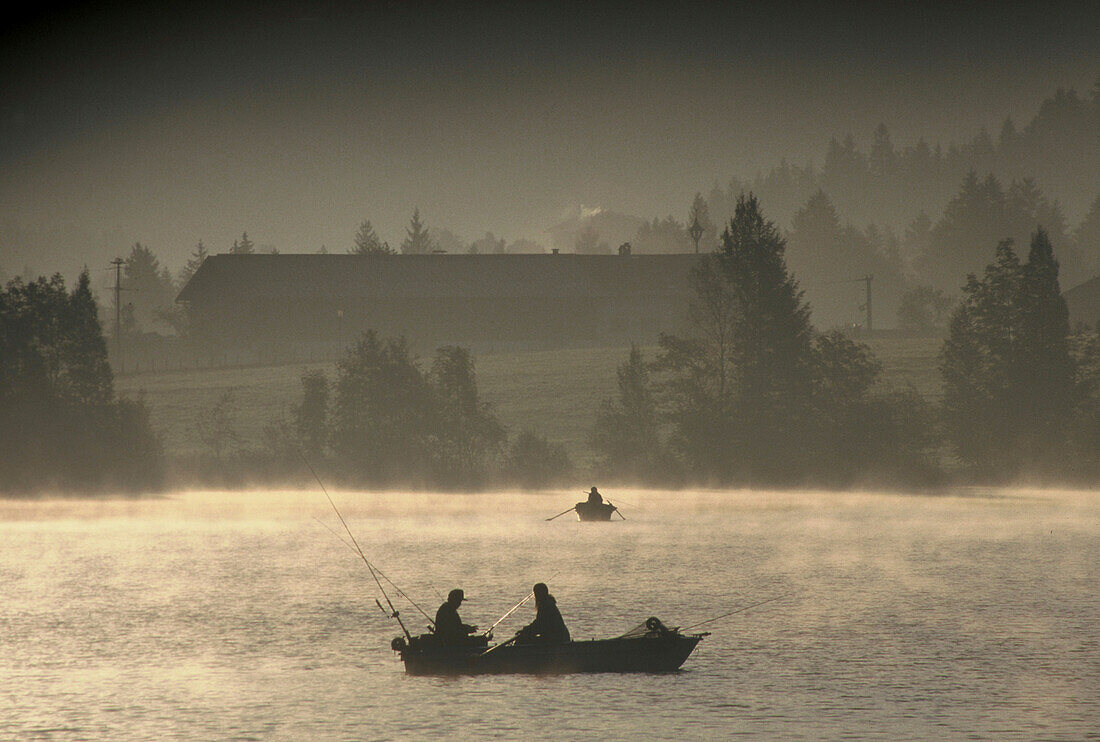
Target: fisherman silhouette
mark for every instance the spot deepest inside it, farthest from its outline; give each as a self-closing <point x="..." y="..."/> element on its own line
<point x="594" y="497"/>
<point x="449" y="628"/>
<point x="548" y="625"/>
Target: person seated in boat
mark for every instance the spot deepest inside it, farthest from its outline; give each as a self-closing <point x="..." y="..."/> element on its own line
<point x="594" y="497"/>
<point x="448" y="626"/>
<point x="548" y="625"/>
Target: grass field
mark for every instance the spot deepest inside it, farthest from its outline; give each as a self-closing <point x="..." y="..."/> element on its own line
<point x="553" y="393"/>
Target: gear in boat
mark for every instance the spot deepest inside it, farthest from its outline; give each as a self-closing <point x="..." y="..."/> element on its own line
<point x="649" y="647"/>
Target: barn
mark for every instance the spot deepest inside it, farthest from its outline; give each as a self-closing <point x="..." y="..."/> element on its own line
<point x="291" y="306"/>
<point x="1083" y="302"/>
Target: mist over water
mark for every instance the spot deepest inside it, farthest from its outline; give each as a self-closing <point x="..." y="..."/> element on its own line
<point x="238" y="615"/>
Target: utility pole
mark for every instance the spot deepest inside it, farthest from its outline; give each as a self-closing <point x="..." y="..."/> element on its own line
<point x="867" y="304"/>
<point x="118" y="263"/>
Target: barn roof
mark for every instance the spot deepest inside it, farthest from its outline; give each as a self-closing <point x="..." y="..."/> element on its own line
<point x="1083" y="302"/>
<point x="439" y="276"/>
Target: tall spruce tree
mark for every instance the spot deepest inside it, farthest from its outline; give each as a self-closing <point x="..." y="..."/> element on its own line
<point x="739" y="384"/>
<point x="1009" y="389"/>
<point x="417" y="240"/>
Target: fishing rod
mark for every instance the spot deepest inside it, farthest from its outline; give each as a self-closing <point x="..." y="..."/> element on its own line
<point x="393" y="584"/>
<point x="625" y="502"/>
<point x="518" y="605"/>
<point x="393" y="611"/>
<point x="739" y="610"/>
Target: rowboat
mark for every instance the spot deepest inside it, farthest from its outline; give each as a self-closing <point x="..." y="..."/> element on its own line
<point x="594" y="510"/>
<point x="650" y="647"/>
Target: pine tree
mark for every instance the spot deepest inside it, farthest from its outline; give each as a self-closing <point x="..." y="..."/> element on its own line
<point x="367" y="242"/>
<point x="243" y="247"/>
<point x="193" y="263"/>
<point x="417" y="241"/>
<point x="1046" y="372"/>
<point x="1009" y="378"/>
<point x="150" y="289"/>
<point x="87" y="375"/>
<point x="738" y="386"/>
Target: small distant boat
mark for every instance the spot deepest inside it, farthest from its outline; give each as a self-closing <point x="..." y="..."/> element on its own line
<point x="651" y="647"/>
<point x="594" y="510"/>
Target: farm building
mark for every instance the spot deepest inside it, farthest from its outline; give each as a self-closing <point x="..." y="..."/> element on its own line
<point x="298" y="306"/>
<point x="1083" y="302"/>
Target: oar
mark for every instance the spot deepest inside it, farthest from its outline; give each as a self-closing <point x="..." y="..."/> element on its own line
<point x="563" y="512"/>
<point x="620" y="512"/>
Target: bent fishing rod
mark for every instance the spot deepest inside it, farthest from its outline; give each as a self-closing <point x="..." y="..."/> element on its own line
<point x="394" y="613"/>
<point x="518" y="605"/>
<point x="739" y="610"/>
<point x="393" y="584"/>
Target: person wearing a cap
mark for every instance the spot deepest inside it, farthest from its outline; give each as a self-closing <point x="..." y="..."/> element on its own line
<point x="448" y="626"/>
<point x="548" y="625"/>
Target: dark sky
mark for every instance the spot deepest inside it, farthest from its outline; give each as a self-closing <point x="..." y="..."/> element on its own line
<point x="168" y="123"/>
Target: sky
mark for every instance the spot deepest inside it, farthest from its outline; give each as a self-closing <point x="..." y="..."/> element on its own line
<point x="168" y="123"/>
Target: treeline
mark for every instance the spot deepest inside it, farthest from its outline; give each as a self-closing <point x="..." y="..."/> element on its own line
<point x="383" y="421"/>
<point x="754" y="395"/>
<point x="918" y="219"/>
<point x="1057" y="149"/>
<point x="751" y="395"/>
<point x="61" y="425"/>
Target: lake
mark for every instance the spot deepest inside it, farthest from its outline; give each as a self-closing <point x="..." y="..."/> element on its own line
<point x="240" y="616"/>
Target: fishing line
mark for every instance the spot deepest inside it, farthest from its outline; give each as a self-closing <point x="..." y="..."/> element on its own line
<point x="745" y="608"/>
<point x="396" y="614"/>
<point x="387" y="579"/>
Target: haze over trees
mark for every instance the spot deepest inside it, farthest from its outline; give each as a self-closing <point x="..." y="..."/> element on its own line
<point x="61" y="424"/>
<point x="1015" y="401"/>
<point x="753" y="394"/>
<point x="367" y="242"/>
<point x="417" y="240"/>
<point x="149" y="291"/>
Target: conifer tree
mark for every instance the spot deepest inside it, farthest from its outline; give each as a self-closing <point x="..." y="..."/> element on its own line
<point x="244" y="246"/>
<point x="193" y="263"/>
<point x="87" y="375"/>
<point x="1009" y="378"/>
<point x="738" y="384"/>
<point x="367" y="242"/>
<point x="417" y="241"/>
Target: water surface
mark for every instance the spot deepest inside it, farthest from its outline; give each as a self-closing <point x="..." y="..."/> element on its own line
<point x="215" y="615"/>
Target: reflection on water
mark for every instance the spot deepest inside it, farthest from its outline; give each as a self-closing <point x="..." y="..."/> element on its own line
<point x="229" y="615"/>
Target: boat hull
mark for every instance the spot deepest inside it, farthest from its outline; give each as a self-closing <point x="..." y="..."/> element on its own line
<point x="594" y="511"/>
<point x="635" y="654"/>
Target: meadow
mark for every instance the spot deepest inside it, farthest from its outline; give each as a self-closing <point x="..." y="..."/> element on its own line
<point x="554" y="393"/>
